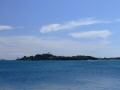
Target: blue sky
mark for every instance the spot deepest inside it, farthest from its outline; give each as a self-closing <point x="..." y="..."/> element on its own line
<point x="62" y="27"/>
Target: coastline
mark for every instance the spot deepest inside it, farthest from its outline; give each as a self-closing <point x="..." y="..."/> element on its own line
<point x="51" y="57"/>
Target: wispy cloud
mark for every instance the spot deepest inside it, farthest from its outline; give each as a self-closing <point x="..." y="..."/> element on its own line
<point x="9" y="27"/>
<point x="92" y="34"/>
<point x="117" y="20"/>
<point x="29" y="45"/>
<point x="70" y="25"/>
<point x="5" y="27"/>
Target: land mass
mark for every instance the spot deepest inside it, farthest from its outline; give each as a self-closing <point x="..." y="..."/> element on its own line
<point x="49" y="56"/>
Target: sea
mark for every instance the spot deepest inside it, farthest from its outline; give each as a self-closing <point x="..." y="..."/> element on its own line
<point x="60" y="75"/>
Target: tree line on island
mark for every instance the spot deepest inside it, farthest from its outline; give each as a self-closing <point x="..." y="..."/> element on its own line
<point x="48" y="56"/>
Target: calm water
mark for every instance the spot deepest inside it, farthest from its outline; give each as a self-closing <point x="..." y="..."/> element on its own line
<point x="60" y="75"/>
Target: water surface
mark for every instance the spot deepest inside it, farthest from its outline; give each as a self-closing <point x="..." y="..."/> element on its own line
<point x="60" y="75"/>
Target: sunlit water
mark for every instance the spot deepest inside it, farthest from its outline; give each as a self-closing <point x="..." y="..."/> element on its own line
<point x="60" y="75"/>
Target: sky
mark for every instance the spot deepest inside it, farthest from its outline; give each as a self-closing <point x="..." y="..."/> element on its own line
<point x="61" y="27"/>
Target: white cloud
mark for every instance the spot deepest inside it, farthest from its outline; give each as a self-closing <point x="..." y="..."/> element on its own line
<point x="18" y="46"/>
<point x="9" y="27"/>
<point x="69" y="25"/>
<point x="5" y="27"/>
<point x="92" y="34"/>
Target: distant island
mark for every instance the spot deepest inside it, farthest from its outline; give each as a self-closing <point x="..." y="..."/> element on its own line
<point x="48" y="56"/>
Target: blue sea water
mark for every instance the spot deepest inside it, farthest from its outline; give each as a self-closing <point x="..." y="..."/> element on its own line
<point x="60" y="75"/>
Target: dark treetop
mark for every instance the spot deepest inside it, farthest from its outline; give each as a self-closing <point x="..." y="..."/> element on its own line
<point x="49" y="56"/>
